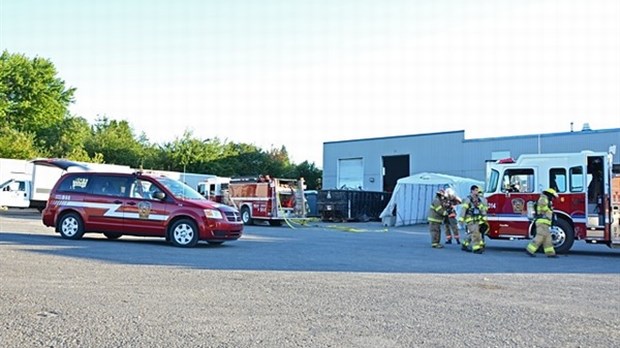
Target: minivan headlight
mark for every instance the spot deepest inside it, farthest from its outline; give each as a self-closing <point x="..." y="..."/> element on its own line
<point x="213" y="214"/>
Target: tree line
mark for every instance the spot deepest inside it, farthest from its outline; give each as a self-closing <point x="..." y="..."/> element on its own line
<point x="35" y="122"/>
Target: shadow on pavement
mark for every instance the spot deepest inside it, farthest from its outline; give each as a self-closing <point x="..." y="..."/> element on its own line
<point x="315" y="249"/>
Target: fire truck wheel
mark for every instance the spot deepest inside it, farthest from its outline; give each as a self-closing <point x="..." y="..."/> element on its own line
<point x="246" y="217"/>
<point x="112" y="235"/>
<point x="563" y="236"/>
<point x="275" y="222"/>
<point x="71" y="226"/>
<point x="184" y="233"/>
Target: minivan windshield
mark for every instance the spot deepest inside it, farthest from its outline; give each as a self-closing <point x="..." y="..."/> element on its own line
<point x="179" y="189"/>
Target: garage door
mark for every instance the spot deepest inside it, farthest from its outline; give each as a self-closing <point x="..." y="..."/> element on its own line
<point x="350" y="173"/>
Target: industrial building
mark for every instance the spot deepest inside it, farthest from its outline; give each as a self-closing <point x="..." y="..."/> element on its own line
<point x="376" y="164"/>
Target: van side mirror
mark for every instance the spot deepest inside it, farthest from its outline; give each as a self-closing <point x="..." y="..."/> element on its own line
<point x="159" y="195"/>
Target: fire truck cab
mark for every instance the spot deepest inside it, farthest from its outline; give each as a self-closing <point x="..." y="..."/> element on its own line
<point x="588" y="207"/>
<point x="268" y="199"/>
<point x="214" y="189"/>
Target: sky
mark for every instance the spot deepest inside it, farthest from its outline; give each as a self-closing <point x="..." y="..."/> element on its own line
<point x="297" y="73"/>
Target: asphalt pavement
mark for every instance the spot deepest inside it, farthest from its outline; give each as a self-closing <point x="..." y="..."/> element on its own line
<point x="320" y="285"/>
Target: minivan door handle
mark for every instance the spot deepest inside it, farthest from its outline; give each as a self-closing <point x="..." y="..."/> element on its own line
<point x="117" y="202"/>
<point x="131" y="203"/>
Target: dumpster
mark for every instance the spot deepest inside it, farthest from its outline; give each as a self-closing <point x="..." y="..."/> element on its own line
<point x="351" y="205"/>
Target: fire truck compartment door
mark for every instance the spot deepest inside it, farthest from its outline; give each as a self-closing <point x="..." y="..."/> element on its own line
<point x="615" y="226"/>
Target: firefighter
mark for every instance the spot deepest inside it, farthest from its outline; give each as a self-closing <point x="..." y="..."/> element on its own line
<point x="436" y="215"/>
<point x="543" y="218"/>
<point x="473" y="213"/>
<point x="450" y="222"/>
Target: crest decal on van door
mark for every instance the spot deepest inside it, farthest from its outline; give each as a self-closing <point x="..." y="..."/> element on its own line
<point x="144" y="210"/>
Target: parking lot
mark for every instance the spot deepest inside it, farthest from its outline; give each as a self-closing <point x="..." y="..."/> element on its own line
<point x="320" y="285"/>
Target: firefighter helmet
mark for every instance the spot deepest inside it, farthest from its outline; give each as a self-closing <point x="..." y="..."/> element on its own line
<point x="450" y="192"/>
<point x="551" y="193"/>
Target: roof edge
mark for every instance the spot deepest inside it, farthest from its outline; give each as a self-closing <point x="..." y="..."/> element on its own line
<point x="394" y="137"/>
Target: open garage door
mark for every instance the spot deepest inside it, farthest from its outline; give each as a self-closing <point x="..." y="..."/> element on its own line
<point x="394" y="168"/>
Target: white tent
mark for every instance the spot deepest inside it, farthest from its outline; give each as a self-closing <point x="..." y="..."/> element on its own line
<point x="413" y="195"/>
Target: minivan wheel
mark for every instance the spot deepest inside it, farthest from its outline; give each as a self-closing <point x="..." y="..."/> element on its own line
<point x="184" y="233"/>
<point x="71" y="226"/>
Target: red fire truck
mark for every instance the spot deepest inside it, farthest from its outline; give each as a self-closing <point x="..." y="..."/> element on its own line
<point x="267" y="199"/>
<point x="588" y="207"/>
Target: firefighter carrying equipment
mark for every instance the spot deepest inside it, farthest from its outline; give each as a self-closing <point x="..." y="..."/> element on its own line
<point x="437" y="210"/>
<point x="543" y="210"/>
<point x="474" y="210"/>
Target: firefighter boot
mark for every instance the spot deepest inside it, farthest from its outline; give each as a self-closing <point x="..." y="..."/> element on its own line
<point x="458" y="241"/>
<point x="449" y="241"/>
<point x="437" y="245"/>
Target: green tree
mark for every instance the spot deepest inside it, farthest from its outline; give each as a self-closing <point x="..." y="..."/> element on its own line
<point x="16" y="144"/>
<point x="154" y="157"/>
<point x="277" y="163"/>
<point x="187" y="153"/>
<point x="34" y="121"/>
<point x="68" y="139"/>
<point x="311" y="174"/>
<point x="33" y="99"/>
<point x="80" y="155"/>
<point x="116" y="142"/>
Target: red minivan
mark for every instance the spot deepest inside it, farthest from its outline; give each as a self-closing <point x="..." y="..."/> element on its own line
<point x="140" y="205"/>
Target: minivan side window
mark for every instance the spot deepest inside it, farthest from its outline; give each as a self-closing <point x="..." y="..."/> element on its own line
<point x="75" y="183"/>
<point x="142" y="189"/>
<point x="110" y="185"/>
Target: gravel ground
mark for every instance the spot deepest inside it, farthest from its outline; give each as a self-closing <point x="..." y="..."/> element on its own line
<point x="51" y="300"/>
